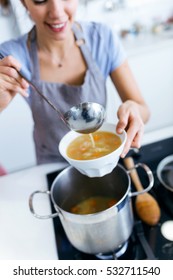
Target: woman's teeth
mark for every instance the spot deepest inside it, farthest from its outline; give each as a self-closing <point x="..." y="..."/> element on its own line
<point x="57" y="25"/>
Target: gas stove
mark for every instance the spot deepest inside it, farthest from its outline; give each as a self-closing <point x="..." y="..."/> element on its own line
<point x="145" y="242"/>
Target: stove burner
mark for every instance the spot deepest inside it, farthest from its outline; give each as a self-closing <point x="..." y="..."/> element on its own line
<point x="115" y="254"/>
<point x="167" y="249"/>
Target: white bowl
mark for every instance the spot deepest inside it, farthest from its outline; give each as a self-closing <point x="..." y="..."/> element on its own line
<point x="94" y="167"/>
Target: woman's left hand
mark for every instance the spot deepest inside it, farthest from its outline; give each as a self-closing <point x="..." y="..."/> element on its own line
<point x="130" y="119"/>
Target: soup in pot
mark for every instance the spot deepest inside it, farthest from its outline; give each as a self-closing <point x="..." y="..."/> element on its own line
<point x="93" y="205"/>
<point x="92" y="146"/>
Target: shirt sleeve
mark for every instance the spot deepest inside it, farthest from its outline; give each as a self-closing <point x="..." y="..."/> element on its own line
<point x="105" y="47"/>
<point x="18" y="49"/>
<point x="116" y="53"/>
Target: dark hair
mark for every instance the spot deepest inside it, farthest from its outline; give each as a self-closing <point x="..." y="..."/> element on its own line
<point x="4" y="3"/>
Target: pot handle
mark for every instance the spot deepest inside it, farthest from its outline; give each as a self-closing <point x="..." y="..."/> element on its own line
<point x="32" y="207"/>
<point x="149" y="174"/>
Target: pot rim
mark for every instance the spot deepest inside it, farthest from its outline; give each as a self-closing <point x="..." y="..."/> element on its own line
<point x="117" y="205"/>
<point x="160" y="168"/>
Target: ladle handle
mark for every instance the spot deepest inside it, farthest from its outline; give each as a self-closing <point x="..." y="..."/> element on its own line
<point x="32" y="207"/>
<point x="44" y="97"/>
<point x="38" y="91"/>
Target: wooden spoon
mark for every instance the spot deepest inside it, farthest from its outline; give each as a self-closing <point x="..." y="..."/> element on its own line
<point x="147" y="207"/>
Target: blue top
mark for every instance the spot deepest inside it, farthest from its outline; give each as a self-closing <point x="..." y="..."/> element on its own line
<point x="105" y="48"/>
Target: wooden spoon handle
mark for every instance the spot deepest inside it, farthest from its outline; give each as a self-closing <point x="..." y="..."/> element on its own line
<point x="147" y="207"/>
<point x="129" y="163"/>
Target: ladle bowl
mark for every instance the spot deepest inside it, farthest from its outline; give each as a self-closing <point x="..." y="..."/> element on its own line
<point x="85" y="117"/>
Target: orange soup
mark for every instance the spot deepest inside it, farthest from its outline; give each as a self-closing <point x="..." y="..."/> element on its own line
<point x="92" y="146"/>
<point x="93" y="205"/>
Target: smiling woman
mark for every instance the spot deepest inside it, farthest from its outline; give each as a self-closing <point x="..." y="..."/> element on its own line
<point x="69" y="62"/>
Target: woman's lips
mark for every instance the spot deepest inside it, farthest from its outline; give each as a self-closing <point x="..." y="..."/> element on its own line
<point x="58" y="27"/>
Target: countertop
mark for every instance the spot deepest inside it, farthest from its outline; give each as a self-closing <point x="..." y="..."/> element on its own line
<point x="142" y="43"/>
<point x="22" y="236"/>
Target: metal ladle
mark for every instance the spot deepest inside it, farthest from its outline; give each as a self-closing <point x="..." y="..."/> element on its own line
<point x="84" y="118"/>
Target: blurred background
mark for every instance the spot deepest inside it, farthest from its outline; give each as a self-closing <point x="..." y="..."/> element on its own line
<point x="146" y="31"/>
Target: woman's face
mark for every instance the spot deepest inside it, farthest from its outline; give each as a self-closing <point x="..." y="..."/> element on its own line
<point x="53" y="18"/>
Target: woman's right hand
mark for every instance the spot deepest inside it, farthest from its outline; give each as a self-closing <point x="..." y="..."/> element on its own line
<point x="11" y="82"/>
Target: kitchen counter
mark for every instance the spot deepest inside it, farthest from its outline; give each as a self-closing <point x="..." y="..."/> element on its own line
<point x="22" y="236"/>
<point x="145" y="43"/>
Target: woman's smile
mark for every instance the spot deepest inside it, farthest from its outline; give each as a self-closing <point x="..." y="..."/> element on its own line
<point x="57" y="27"/>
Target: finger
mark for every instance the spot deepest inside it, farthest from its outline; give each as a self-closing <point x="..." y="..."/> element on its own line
<point x="10" y="66"/>
<point x="14" y="87"/>
<point x="122" y="123"/>
<point x="13" y="77"/>
<point x="11" y="74"/>
<point x="10" y="61"/>
<point x="126" y="148"/>
<point x="132" y="133"/>
<point x="9" y="71"/>
<point x="136" y="143"/>
<point x="134" y="140"/>
<point x="123" y="116"/>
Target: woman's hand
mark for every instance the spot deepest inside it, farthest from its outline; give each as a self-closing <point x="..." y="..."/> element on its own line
<point x="134" y="112"/>
<point x="11" y="82"/>
<point x="130" y="119"/>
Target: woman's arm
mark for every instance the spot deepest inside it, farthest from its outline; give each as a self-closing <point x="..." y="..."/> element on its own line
<point x="133" y="112"/>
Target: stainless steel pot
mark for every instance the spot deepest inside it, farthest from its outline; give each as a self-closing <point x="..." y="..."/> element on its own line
<point x="165" y="172"/>
<point x="100" y="232"/>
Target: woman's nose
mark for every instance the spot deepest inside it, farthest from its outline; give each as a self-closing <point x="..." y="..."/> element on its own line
<point x="56" y="8"/>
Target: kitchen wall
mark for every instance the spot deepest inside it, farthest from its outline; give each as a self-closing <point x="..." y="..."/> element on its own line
<point x="8" y="26"/>
<point x="149" y="48"/>
<point x="16" y="124"/>
<point x="146" y="28"/>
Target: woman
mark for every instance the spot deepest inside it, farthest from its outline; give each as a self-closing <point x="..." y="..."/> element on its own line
<point x="69" y="62"/>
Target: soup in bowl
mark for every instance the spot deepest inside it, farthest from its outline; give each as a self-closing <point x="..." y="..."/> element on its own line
<point x="96" y="154"/>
